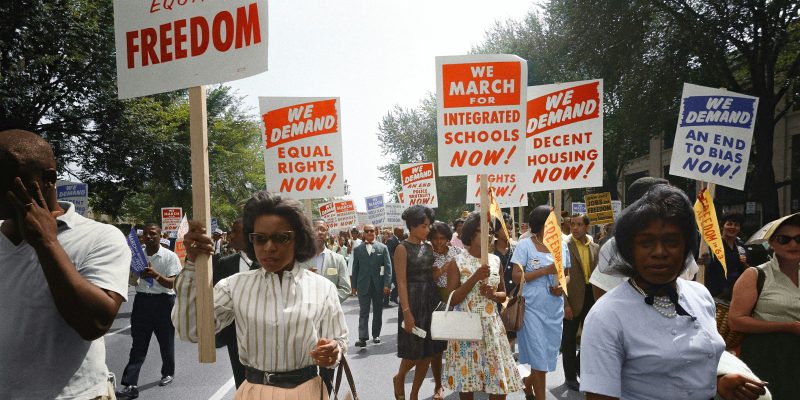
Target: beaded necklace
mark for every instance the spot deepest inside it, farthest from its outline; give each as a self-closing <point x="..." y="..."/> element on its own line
<point x="662" y="304"/>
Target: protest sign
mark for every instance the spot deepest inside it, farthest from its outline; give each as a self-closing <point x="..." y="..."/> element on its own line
<point x="75" y="193"/>
<point x="138" y="259"/>
<point x="712" y="140"/>
<point x="616" y="205"/>
<point x="599" y="208"/>
<point x="375" y="209"/>
<point x="419" y="184"/>
<point x="302" y="146"/>
<point x="480" y="113"/>
<point x="400" y="197"/>
<point x="164" y="45"/>
<point x="564" y="136"/>
<point x="553" y="242"/>
<point x="214" y="225"/>
<point x="171" y="219"/>
<point x="180" y="249"/>
<point x="394" y="213"/>
<point x="345" y="216"/>
<point x="705" y="215"/>
<point x="327" y="211"/>
<point x="507" y="192"/>
<point x="363" y="219"/>
<point x="578" y="208"/>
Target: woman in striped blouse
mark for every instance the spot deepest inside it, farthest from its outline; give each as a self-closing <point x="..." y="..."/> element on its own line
<point x="288" y="319"/>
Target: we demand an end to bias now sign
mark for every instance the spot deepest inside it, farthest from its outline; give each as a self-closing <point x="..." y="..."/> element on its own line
<point x="713" y="137"/>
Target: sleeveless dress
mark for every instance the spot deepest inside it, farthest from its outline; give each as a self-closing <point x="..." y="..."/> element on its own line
<point x="423" y="298"/>
<point x="488" y="365"/>
<point x="774" y="356"/>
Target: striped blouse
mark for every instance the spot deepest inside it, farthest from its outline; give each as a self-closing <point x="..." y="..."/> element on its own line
<point x="277" y="322"/>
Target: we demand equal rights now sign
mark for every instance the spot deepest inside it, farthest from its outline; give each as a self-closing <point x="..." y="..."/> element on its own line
<point x="302" y="146"/>
<point x="712" y="140"/>
<point x="480" y="113"/>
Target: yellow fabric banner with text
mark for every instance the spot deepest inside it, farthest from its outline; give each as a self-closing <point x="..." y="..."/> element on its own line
<point x="552" y="240"/>
<point x="706" y="217"/>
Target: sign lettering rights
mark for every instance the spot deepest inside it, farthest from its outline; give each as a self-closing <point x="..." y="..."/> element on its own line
<point x="712" y="140"/>
<point x="168" y="45"/>
<point x="481" y="113"/>
<point x="564" y="136"/>
<point x="302" y="146"/>
<point x="506" y="188"/>
<point x="419" y="184"/>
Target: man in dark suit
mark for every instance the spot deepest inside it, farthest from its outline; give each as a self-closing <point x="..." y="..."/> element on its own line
<point x="583" y="258"/>
<point x="392" y="243"/>
<point x="372" y="278"/>
<point x="223" y="268"/>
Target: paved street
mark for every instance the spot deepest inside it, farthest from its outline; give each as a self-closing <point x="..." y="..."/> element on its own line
<point x="373" y="367"/>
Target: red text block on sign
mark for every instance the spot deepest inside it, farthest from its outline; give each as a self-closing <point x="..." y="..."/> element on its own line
<point x="481" y="84"/>
<point x="563" y="107"/>
<point x="300" y="121"/>
<point x="417" y="173"/>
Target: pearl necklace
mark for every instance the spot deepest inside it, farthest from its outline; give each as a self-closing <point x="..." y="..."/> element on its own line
<point x="662" y="304"/>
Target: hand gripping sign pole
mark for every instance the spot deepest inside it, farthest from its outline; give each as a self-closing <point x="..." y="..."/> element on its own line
<point x="198" y="133"/>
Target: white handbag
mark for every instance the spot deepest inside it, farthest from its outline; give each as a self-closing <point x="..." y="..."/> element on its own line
<point x="456" y="325"/>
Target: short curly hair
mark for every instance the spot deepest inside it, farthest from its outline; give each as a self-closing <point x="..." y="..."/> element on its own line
<point x="415" y="216"/>
<point x="471" y="225"/>
<point x="441" y="228"/>
<point x="265" y="203"/>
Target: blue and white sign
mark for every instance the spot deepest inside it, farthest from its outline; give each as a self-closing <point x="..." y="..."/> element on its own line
<point x="138" y="258"/>
<point x="214" y="225"/>
<point x="578" y="208"/>
<point x="75" y="193"/>
<point x="712" y="140"/>
<point x="376" y="212"/>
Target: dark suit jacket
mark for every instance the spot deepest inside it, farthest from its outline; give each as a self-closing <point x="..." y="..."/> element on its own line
<point x="576" y="288"/>
<point x="367" y="268"/>
<point x="392" y="244"/>
<point x="224" y="267"/>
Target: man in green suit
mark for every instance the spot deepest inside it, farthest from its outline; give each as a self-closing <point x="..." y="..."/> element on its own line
<point x="372" y="280"/>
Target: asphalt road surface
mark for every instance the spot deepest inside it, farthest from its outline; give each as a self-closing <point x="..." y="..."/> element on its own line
<point x="373" y="367"/>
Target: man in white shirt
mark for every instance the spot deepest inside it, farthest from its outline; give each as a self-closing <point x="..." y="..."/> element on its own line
<point x="217" y="236"/>
<point x="152" y="309"/>
<point x="64" y="280"/>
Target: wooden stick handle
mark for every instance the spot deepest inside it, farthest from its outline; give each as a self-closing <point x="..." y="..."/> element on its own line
<point x="484" y="220"/>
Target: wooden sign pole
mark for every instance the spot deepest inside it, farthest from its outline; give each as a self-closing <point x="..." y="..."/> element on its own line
<point x="307" y="206"/>
<point x="557" y="205"/>
<point x="701" y="272"/>
<point x="201" y="206"/>
<point x="513" y="223"/>
<point x="484" y="220"/>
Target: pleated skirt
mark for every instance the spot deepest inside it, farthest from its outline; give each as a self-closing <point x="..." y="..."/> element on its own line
<point x="309" y="390"/>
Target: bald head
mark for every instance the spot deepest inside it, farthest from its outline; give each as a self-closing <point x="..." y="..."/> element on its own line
<point x="26" y="155"/>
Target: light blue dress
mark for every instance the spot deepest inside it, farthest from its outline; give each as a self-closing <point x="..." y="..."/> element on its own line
<point x="540" y="336"/>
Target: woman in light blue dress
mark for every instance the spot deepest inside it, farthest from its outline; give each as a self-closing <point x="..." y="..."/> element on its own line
<point x="540" y="336"/>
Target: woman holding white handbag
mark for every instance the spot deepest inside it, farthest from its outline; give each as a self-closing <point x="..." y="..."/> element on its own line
<point x="486" y="365"/>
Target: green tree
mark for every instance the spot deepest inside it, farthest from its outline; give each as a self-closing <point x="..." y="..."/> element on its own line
<point x="408" y="135"/>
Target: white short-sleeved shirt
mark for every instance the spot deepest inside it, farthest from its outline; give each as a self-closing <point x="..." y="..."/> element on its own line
<point x="41" y="357"/>
<point x="631" y="351"/>
<point x="166" y="263"/>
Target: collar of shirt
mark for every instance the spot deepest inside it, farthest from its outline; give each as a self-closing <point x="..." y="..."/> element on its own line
<point x="370" y="249"/>
<point x="69" y="218"/>
<point x="294" y="273"/>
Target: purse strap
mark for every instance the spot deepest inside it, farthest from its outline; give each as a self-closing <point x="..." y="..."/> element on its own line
<point x="344" y="367"/>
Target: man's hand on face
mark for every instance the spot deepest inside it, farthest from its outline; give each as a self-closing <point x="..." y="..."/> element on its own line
<point x="33" y="218"/>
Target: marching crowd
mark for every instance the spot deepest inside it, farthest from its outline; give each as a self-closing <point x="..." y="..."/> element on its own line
<point x="633" y="322"/>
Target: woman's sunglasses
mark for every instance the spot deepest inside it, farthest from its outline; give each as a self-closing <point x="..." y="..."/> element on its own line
<point x="783" y="239"/>
<point x="260" y="239"/>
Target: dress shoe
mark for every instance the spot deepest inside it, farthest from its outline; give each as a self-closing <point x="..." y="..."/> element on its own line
<point x="376" y="340"/>
<point x="361" y="343"/>
<point x="573" y="384"/>
<point x="165" y="380"/>
<point x="128" y="392"/>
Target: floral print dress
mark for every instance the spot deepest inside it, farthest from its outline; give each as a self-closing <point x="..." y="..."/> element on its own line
<point x="487" y="365"/>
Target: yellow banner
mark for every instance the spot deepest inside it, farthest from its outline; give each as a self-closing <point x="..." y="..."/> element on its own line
<point x="496" y="212"/>
<point x="706" y="217"/>
<point x="552" y="240"/>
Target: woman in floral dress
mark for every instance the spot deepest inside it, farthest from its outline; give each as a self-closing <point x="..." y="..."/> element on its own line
<point x="486" y="365"/>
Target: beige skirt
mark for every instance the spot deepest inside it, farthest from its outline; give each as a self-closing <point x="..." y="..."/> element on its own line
<point x="307" y="391"/>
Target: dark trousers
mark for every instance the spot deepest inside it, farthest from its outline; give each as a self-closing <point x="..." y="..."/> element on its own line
<point x="327" y="377"/>
<point x="151" y="314"/>
<point x="393" y="294"/>
<point x="228" y="336"/>
<point x="569" y="337"/>
<point x="374" y="297"/>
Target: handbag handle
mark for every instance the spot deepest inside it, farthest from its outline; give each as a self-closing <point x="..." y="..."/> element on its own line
<point x="450" y="297"/>
<point x="343" y="366"/>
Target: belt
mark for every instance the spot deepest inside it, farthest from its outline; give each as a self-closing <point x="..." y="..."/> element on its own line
<point x="153" y="294"/>
<point x="287" y="380"/>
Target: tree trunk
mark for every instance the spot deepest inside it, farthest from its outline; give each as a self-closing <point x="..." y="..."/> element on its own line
<point x="766" y="191"/>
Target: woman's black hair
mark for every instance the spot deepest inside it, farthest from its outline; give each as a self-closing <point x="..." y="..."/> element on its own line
<point x="441" y="228"/>
<point x="537" y="217"/>
<point x="661" y="203"/>
<point x="471" y="225"/>
<point x="506" y="220"/>
<point x="415" y="216"/>
<point x="733" y="216"/>
<point x="265" y="203"/>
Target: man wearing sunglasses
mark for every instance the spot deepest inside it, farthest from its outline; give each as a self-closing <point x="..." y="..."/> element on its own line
<point x="372" y="279"/>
